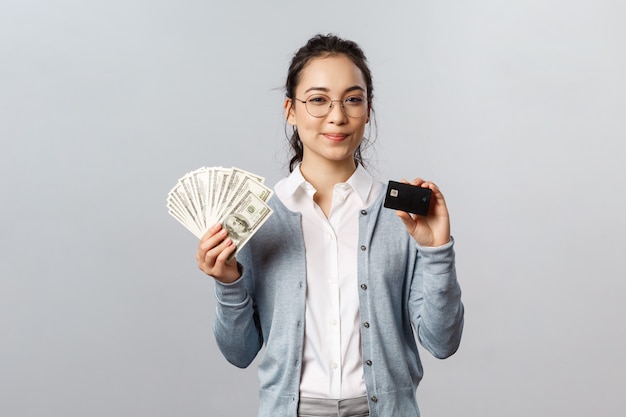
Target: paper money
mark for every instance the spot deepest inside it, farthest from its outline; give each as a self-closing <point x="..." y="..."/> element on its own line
<point x="231" y="196"/>
<point x="244" y="218"/>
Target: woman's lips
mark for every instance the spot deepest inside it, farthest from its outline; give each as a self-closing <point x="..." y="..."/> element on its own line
<point x="335" y="136"/>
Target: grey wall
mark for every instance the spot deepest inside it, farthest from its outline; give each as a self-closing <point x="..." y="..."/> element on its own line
<point x="516" y="109"/>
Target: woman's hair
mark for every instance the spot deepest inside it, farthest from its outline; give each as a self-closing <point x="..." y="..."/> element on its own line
<point x="323" y="46"/>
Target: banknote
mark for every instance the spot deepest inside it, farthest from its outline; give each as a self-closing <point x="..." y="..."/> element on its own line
<point x="239" y="189"/>
<point x="244" y="218"/>
<point x="231" y="196"/>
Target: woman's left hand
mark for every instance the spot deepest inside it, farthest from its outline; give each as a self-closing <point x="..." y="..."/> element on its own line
<point x="434" y="229"/>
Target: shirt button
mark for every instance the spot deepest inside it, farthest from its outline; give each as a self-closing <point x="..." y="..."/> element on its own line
<point x="366" y="325"/>
<point x="335" y="366"/>
<point x="363" y="247"/>
<point x="334" y="322"/>
<point x="363" y="286"/>
<point x="374" y="399"/>
<point x="368" y="362"/>
<point x="363" y="212"/>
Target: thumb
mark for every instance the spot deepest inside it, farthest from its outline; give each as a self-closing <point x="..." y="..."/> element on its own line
<point x="407" y="219"/>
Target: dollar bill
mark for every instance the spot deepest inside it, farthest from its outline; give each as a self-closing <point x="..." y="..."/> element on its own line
<point x="197" y="179"/>
<point x="245" y="218"/>
<point x="240" y="188"/>
<point x="179" y="202"/>
<point x="232" y="196"/>
<point x="220" y="181"/>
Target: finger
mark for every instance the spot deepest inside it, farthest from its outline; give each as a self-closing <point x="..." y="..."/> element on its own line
<point x="209" y="240"/>
<point x="219" y="259"/>
<point x="407" y="219"/>
<point x="205" y="247"/>
<point x="437" y="194"/>
<point x="221" y="251"/>
<point x="417" y="182"/>
<point x="435" y="189"/>
<point x="213" y="237"/>
<point x="212" y="240"/>
<point x="227" y="254"/>
<point x="431" y="185"/>
<point x="211" y="231"/>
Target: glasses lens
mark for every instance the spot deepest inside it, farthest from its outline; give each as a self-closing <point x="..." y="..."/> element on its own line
<point x="355" y="106"/>
<point x="319" y="105"/>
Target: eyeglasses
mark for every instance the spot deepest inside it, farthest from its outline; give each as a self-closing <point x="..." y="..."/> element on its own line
<point x="320" y="105"/>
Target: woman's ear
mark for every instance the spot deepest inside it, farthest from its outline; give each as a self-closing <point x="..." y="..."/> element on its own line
<point x="290" y="115"/>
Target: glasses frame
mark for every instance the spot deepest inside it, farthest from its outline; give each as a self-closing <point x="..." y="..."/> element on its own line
<point x="330" y="105"/>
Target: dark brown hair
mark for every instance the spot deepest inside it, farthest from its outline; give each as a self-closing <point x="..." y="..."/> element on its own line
<point x="321" y="46"/>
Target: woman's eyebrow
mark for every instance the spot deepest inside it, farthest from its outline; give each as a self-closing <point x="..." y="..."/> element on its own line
<point x="327" y="90"/>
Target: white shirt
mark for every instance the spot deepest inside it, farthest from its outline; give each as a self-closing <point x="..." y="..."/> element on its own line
<point x="331" y="360"/>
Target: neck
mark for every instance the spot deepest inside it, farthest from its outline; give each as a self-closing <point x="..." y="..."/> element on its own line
<point x="324" y="176"/>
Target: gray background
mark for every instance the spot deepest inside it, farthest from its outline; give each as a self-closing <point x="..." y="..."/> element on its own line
<point x="516" y="109"/>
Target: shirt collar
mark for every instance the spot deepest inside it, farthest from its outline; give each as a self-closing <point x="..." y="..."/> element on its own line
<point x="360" y="181"/>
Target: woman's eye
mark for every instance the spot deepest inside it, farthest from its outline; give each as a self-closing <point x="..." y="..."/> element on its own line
<point x="318" y="100"/>
<point x="354" y="100"/>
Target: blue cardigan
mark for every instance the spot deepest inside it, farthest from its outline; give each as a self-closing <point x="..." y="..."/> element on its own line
<point x="404" y="289"/>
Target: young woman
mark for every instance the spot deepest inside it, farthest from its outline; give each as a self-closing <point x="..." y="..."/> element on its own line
<point x="336" y="287"/>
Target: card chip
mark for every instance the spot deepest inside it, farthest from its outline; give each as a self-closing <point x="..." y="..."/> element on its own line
<point x="393" y="192"/>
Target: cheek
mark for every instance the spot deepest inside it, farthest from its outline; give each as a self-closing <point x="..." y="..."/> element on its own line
<point x="306" y="123"/>
<point x="361" y="126"/>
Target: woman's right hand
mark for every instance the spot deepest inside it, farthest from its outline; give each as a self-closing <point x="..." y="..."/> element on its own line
<point x="214" y="255"/>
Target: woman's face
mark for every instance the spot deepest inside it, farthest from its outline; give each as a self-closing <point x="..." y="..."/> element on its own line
<point x="333" y="138"/>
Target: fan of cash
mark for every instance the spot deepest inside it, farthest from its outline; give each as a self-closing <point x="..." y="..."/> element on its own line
<point x="233" y="197"/>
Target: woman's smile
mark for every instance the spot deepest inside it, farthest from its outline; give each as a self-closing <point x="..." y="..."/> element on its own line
<point x="335" y="137"/>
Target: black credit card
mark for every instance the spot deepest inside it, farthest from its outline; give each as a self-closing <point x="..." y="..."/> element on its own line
<point x="407" y="197"/>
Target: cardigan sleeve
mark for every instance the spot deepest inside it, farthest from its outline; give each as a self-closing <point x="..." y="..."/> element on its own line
<point x="236" y="326"/>
<point x="435" y="300"/>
